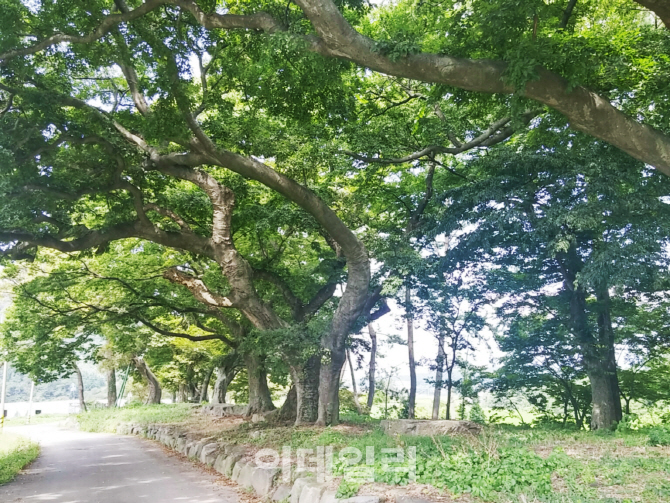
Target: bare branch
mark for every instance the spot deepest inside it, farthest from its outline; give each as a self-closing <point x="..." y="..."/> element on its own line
<point x="169" y="214"/>
<point x="198" y="288"/>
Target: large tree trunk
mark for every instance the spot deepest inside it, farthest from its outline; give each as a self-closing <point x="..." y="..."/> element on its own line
<point x="154" y="386"/>
<point x="329" y="388"/>
<point x="324" y="392"/>
<point x="183" y="393"/>
<point x="439" y="368"/>
<point x="80" y="388"/>
<point x="205" y="386"/>
<point x="306" y="382"/>
<point x="354" y="388"/>
<point x="260" y="400"/>
<point x="410" y="350"/>
<point x="111" y="388"/>
<point x="599" y="364"/>
<point x="373" y="366"/>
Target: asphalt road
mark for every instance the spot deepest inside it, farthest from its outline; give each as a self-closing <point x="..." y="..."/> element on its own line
<point x="78" y="467"/>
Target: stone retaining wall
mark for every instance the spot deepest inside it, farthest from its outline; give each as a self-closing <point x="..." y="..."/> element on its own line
<point x="229" y="461"/>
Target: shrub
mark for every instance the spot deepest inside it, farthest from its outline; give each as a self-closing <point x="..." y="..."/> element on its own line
<point x="659" y="435"/>
<point x="15" y="453"/>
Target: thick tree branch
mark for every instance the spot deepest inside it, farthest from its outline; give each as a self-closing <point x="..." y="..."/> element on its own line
<point x="585" y="110"/>
<point x="198" y="288"/>
<point x="659" y="7"/>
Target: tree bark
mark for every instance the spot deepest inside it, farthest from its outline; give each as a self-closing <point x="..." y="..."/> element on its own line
<point x="205" y="386"/>
<point x="154" y="386"/>
<point x="225" y="376"/>
<point x="80" y="388"/>
<point x="260" y="399"/>
<point x="183" y="396"/>
<point x="288" y="411"/>
<point x="111" y="388"/>
<point x="353" y="384"/>
<point x="410" y="350"/>
<point x="324" y="392"/>
<point x="306" y="382"/>
<point x="599" y="364"/>
<point x="439" y="368"/>
<point x="373" y="364"/>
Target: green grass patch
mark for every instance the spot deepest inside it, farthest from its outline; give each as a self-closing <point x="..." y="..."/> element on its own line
<point x="39" y="419"/>
<point x="106" y="420"/>
<point x="15" y="453"/>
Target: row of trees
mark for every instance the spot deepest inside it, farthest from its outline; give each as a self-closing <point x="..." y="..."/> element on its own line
<point x="241" y="176"/>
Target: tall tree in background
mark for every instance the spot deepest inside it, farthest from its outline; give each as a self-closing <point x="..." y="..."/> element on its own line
<point x="552" y="219"/>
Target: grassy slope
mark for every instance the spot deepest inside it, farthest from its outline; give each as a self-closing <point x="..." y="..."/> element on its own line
<point x="15" y="453"/>
<point x="503" y="464"/>
<point x="106" y="420"/>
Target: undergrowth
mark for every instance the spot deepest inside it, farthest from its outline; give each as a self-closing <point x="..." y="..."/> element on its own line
<point x="106" y="420"/>
<point x="15" y="453"/>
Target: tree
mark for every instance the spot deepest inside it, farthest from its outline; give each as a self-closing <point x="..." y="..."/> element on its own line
<point x="566" y="224"/>
<point x="454" y="294"/>
<point x="124" y="154"/>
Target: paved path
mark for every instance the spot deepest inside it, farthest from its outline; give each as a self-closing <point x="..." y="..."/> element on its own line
<point x="78" y="467"/>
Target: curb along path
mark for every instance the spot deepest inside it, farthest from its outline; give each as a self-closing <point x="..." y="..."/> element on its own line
<point x="229" y="461"/>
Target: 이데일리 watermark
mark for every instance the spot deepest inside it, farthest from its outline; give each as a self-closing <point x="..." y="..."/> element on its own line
<point x="353" y="464"/>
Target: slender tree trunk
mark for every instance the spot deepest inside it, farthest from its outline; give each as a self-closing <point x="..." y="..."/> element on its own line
<point x="205" y="386"/>
<point x="154" y="386"/>
<point x="337" y="359"/>
<point x="373" y="364"/>
<point x="306" y="381"/>
<point x="80" y="388"/>
<point x="450" y="386"/>
<point x="260" y="400"/>
<point x="111" y="388"/>
<point x="627" y="405"/>
<point x="410" y="349"/>
<point x="174" y="396"/>
<point x="183" y="395"/>
<point x="439" y="368"/>
<point x="353" y="384"/>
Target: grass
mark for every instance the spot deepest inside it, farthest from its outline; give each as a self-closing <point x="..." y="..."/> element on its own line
<point x="39" y="419"/>
<point x="15" y="453"/>
<point x="505" y="464"/>
<point x="106" y="420"/>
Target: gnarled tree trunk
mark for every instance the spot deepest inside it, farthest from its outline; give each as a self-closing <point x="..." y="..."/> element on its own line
<point x="306" y="382"/>
<point x="154" y="386"/>
<point x="260" y="399"/>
